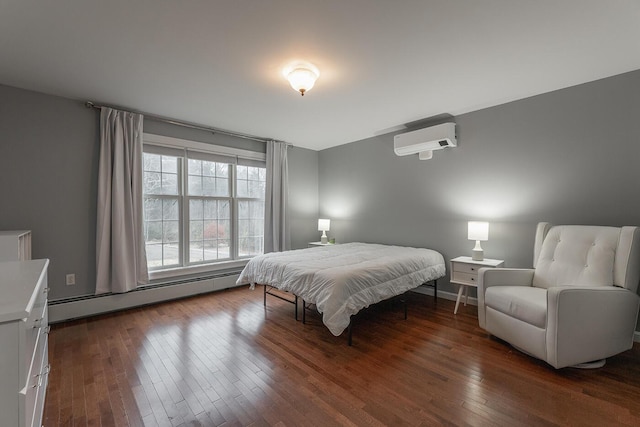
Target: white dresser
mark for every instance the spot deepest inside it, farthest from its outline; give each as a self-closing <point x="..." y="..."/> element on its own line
<point x="15" y="245"/>
<point x="24" y="361"/>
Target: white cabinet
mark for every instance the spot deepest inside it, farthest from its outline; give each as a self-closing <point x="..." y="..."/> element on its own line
<point x="15" y="245"/>
<point x="24" y="329"/>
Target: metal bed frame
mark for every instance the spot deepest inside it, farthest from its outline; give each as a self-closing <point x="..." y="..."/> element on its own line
<point x="294" y="301"/>
<point x="307" y="306"/>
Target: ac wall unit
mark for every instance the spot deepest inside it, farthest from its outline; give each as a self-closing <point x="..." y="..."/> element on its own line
<point x="424" y="141"/>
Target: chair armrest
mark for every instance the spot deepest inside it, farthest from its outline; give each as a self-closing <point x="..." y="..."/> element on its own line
<point x="589" y="323"/>
<point x="504" y="277"/>
<point x="488" y="277"/>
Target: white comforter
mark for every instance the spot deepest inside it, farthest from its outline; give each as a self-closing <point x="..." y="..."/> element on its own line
<point x="343" y="279"/>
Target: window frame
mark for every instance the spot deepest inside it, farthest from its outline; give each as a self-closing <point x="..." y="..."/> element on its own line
<point x="247" y="198"/>
<point x="157" y="144"/>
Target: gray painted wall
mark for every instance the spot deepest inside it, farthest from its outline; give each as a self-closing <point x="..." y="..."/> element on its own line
<point x="568" y="157"/>
<point x="303" y="196"/>
<point x="48" y="180"/>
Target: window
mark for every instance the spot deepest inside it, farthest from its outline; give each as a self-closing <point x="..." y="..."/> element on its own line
<point x="201" y="208"/>
<point x="161" y="210"/>
<point x="250" y="194"/>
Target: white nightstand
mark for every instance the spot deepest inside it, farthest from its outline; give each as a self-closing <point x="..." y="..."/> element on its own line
<point x="312" y="244"/>
<point x="464" y="273"/>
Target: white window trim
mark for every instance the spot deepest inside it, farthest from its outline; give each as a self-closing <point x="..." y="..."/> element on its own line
<point x="168" y="141"/>
<point x="169" y="273"/>
<point x="178" y="143"/>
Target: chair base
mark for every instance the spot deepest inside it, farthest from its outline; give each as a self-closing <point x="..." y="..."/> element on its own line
<point x="587" y="365"/>
<point x="591" y="365"/>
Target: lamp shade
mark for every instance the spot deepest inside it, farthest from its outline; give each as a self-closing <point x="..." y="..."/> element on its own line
<point x="324" y="224"/>
<point x="478" y="230"/>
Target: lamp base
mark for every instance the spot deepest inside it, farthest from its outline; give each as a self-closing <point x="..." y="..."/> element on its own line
<point x="477" y="254"/>
<point x="323" y="239"/>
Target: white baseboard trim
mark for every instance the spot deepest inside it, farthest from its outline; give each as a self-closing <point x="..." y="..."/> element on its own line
<point x="636" y="336"/>
<point x="85" y="307"/>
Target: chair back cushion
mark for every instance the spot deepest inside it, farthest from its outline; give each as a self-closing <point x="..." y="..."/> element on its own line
<point x="577" y="255"/>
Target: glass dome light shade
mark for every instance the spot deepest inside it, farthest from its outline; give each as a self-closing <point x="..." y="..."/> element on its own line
<point x="302" y="79"/>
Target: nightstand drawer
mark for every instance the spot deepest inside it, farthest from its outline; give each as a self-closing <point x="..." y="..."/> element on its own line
<point x="466" y="268"/>
<point x="458" y="276"/>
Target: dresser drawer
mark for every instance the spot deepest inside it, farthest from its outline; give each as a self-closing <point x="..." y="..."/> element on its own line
<point x="36" y="383"/>
<point x="35" y="327"/>
<point x="40" y="302"/>
<point x="37" y="317"/>
<point x="40" y="396"/>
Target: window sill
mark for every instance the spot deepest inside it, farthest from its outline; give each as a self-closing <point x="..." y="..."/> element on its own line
<point x="195" y="271"/>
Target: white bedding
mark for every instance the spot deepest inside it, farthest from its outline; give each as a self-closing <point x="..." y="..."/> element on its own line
<point x="343" y="279"/>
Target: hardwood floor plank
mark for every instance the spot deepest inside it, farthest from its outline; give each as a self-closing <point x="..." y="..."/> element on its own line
<point x="223" y="359"/>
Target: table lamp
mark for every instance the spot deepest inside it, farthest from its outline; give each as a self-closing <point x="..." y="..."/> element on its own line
<point x="324" y="226"/>
<point x="478" y="231"/>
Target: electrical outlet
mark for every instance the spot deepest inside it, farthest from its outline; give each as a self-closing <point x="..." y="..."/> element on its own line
<point x="71" y="279"/>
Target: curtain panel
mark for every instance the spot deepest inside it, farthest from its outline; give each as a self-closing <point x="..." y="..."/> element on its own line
<point x="120" y="247"/>
<point x="276" y="227"/>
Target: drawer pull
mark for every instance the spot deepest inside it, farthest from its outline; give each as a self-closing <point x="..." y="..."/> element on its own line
<point x="39" y="376"/>
<point x="38" y="383"/>
<point x="473" y="269"/>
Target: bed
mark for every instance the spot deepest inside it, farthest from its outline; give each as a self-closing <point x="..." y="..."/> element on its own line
<point x="341" y="280"/>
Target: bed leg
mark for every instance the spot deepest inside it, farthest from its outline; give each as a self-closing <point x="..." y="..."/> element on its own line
<point x="265" y="295"/>
<point x="296" y="307"/>
<point x="404" y="303"/>
<point x="435" y="291"/>
<point x="304" y="312"/>
<point x="350" y="332"/>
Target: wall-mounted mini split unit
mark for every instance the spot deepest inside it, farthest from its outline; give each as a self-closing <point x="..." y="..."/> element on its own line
<point x="424" y="141"/>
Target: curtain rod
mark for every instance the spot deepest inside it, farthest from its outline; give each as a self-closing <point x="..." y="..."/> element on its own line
<point x="90" y="104"/>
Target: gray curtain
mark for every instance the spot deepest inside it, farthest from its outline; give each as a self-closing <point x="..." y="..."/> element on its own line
<point x="120" y="250"/>
<point x="276" y="221"/>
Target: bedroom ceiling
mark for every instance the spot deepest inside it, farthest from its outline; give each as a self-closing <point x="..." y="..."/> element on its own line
<point x="382" y="63"/>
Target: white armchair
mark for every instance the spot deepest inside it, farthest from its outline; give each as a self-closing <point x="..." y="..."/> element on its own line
<point x="577" y="306"/>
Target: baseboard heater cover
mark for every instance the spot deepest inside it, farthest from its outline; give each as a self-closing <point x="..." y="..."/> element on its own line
<point x="90" y="305"/>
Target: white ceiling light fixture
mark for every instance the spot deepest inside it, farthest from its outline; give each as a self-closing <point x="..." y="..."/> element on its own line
<point x="301" y="77"/>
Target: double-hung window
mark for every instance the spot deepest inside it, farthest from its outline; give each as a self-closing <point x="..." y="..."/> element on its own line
<point x="203" y="204"/>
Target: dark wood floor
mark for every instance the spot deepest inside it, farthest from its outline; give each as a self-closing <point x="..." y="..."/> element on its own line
<point x="223" y="359"/>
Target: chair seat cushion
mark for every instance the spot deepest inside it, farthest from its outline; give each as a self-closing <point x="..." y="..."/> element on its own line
<point x="524" y="303"/>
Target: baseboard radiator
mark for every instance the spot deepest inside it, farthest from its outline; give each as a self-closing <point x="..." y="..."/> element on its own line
<point x="91" y="305"/>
